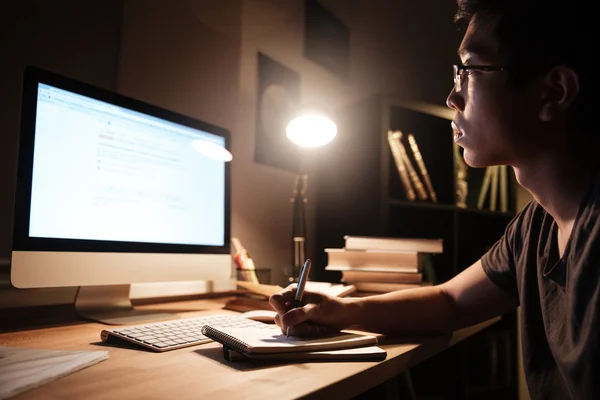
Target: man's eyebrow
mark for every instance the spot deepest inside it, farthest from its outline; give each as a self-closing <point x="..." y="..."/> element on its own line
<point x="479" y="49"/>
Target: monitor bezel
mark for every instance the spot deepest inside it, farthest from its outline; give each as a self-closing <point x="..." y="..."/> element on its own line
<point x="32" y="77"/>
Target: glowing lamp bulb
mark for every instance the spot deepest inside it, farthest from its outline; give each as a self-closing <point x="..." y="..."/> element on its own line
<point x="311" y="130"/>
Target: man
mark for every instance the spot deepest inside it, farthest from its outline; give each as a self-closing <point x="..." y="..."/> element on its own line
<point x="522" y="97"/>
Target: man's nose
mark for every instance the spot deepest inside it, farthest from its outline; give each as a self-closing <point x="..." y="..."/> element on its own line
<point x="455" y="100"/>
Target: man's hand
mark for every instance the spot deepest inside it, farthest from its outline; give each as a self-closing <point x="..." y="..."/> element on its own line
<point x="321" y="313"/>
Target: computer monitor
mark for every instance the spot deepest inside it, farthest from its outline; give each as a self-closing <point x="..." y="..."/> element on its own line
<point x="113" y="191"/>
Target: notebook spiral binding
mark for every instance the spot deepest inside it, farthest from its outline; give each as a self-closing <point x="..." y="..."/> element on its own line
<point x="224" y="339"/>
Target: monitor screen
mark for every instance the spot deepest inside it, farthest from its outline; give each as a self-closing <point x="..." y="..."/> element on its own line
<point x="108" y="182"/>
<point x="105" y="172"/>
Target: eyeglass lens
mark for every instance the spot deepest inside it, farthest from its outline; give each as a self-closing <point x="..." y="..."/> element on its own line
<point x="457" y="78"/>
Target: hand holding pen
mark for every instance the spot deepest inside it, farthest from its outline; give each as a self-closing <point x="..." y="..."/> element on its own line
<point x="297" y="302"/>
<point x="311" y="314"/>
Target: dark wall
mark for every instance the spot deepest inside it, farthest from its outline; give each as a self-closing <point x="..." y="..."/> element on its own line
<point x="76" y="38"/>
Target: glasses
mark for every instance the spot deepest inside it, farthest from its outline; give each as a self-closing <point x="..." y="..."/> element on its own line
<point x="462" y="71"/>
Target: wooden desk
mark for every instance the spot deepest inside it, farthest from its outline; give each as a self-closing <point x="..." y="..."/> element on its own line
<point x="201" y="372"/>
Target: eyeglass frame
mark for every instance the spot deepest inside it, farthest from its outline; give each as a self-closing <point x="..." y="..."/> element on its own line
<point x="459" y="69"/>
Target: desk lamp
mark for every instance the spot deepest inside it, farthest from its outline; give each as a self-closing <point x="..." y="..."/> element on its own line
<point x="309" y="129"/>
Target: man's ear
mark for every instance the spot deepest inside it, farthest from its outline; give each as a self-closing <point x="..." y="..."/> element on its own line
<point x="561" y="86"/>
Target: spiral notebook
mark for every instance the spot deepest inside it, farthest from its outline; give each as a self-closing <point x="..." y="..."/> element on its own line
<point x="256" y="340"/>
<point x="364" y="353"/>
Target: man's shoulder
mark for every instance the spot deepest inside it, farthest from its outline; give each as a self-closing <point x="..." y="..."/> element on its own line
<point x="533" y="214"/>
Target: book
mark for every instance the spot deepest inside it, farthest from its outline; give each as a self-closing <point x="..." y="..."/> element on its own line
<point x="421" y="164"/>
<point x="352" y="276"/>
<point x="365" y="353"/>
<point x="268" y="339"/>
<point x="391" y="243"/>
<point x="22" y="369"/>
<point x="503" y="188"/>
<point x="494" y="188"/>
<point x="412" y="173"/>
<point x="485" y="185"/>
<point x="342" y="268"/>
<point x="384" y="287"/>
<point x="374" y="258"/>
<point x="400" y="165"/>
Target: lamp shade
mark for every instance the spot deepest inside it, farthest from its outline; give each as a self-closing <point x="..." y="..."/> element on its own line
<point x="311" y="130"/>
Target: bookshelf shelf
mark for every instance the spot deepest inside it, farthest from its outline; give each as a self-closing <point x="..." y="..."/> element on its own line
<point x="420" y="204"/>
<point x="436" y="206"/>
<point x="360" y="192"/>
<point x="484" y="212"/>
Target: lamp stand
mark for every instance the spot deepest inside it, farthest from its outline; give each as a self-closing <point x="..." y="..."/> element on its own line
<point x="298" y="224"/>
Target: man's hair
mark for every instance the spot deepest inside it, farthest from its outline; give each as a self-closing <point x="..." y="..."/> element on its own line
<point x="537" y="35"/>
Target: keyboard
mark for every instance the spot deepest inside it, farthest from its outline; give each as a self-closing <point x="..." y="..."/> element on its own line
<point x="170" y="335"/>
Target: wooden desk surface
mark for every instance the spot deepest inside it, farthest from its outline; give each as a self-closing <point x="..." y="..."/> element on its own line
<point x="201" y="372"/>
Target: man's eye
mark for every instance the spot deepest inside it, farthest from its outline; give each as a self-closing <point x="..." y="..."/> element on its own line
<point x="470" y="71"/>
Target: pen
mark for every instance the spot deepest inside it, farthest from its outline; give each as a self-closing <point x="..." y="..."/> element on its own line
<point x="300" y="289"/>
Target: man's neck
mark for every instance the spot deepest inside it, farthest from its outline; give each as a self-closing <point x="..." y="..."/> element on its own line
<point x="558" y="184"/>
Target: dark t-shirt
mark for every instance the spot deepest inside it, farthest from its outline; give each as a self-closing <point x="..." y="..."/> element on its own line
<point x="559" y="297"/>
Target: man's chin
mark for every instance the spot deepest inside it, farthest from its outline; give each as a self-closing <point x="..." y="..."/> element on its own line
<point x="474" y="161"/>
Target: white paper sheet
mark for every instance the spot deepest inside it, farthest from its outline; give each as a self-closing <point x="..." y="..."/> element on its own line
<point x="22" y="369"/>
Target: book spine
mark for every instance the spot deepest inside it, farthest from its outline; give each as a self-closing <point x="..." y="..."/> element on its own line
<point x="484" y="187"/>
<point x="366" y="258"/>
<point x="352" y="276"/>
<point x="393" y="244"/>
<point x="494" y="188"/>
<point x="503" y="189"/>
<point x="225" y="339"/>
<point x="421" y="164"/>
<point x="412" y="173"/>
<point x="410" y="270"/>
<point x="408" y="190"/>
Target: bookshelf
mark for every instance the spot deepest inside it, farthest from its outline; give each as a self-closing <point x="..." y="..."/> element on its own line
<point x="359" y="192"/>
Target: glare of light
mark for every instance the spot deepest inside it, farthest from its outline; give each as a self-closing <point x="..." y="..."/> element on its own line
<point x="311" y="130"/>
<point x="212" y="150"/>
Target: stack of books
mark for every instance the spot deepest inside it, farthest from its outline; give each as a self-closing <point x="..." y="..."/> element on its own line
<point x="383" y="264"/>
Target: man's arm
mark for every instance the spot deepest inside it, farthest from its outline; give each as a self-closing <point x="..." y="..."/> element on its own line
<point x="467" y="299"/>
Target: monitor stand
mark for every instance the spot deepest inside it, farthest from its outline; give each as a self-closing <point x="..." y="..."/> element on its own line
<point x="111" y="305"/>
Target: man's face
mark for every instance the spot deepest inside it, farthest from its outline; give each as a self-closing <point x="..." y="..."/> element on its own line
<point x="492" y="121"/>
